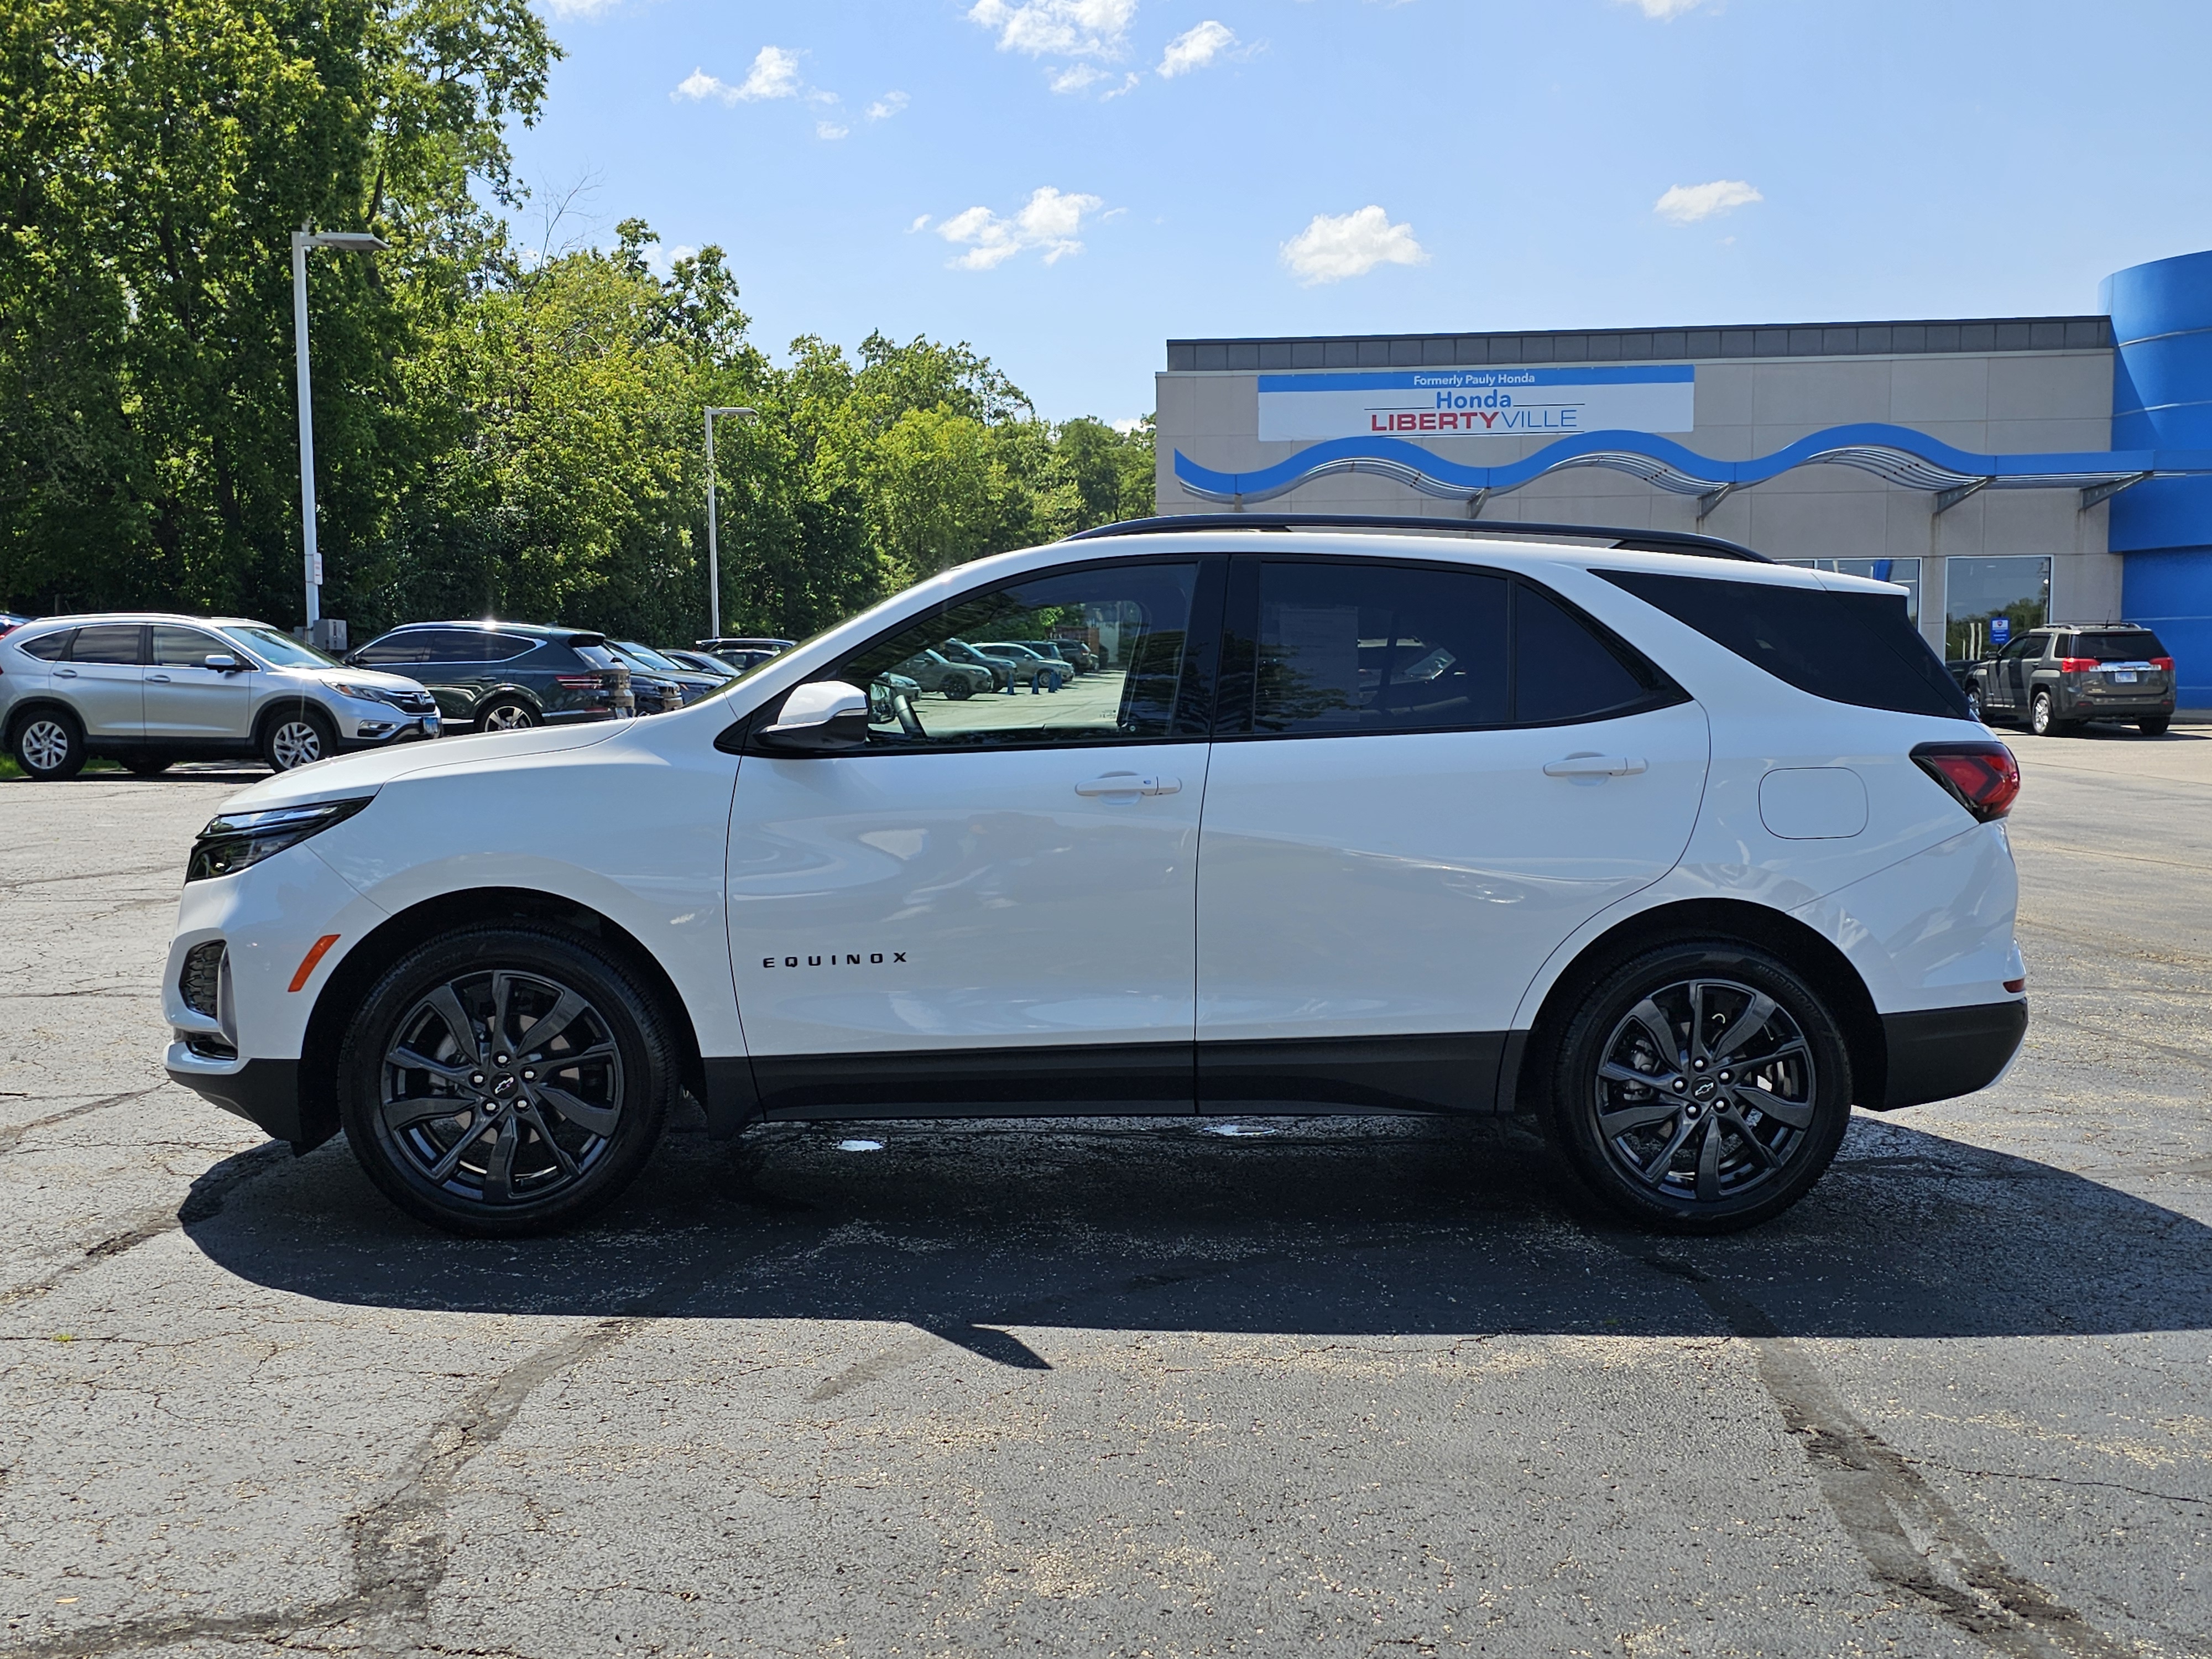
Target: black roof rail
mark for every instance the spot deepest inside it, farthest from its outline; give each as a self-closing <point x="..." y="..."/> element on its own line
<point x="1628" y="541"/>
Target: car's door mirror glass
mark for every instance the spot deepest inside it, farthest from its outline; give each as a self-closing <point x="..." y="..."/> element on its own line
<point x="957" y="678"/>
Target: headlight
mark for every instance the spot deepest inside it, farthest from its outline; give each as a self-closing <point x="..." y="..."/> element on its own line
<point x="231" y="843"/>
<point x="358" y="693"/>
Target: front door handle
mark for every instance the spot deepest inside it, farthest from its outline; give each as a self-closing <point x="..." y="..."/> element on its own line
<point x="1594" y="766"/>
<point x="66" y="673"/>
<point x="159" y="679"/>
<point x="1130" y="783"/>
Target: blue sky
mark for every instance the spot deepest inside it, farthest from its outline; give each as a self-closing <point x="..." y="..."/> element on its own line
<point x="1066" y="183"/>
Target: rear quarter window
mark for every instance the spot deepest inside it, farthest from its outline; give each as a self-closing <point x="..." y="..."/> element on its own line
<point x="1858" y="649"/>
<point x="47" y="647"/>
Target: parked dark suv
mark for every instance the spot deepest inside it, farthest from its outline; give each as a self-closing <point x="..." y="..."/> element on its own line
<point x="2055" y="679"/>
<point x="502" y="677"/>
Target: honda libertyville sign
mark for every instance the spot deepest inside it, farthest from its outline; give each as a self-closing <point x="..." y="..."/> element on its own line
<point x="1460" y="403"/>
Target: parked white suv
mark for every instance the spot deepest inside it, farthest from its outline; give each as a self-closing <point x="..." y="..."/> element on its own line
<point x="1684" y="853"/>
<point x="149" y="689"/>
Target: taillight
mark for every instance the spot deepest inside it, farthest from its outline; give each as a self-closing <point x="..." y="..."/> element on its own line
<point x="2165" y="663"/>
<point x="2077" y="664"/>
<point x="1983" y="777"/>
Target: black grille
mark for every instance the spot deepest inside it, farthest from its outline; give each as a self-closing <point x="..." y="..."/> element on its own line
<point x="203" y="973"/>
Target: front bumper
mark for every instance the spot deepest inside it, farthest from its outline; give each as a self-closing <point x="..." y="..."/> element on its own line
<point x="395" y="726"/>
<point x="1939" y="1054"/>
<point x="264" y="1093"/>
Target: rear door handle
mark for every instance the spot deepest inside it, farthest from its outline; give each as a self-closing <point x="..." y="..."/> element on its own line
<point x="66" y="673"/>
<point x="1594" y="766"/>
<point x="1130" y="783"/>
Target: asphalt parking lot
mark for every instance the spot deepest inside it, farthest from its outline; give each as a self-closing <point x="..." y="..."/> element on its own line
<point x="1351" y="1387"/>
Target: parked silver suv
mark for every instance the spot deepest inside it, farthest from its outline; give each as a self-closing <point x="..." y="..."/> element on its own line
<point x="149" y="689"/>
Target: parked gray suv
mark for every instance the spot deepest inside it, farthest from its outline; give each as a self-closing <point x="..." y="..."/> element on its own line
<point x="2055" y="679"/>
<point x="149" y="689"/>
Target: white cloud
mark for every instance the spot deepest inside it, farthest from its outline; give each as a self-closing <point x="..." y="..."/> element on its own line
<point x="887" y="105"/>
<point x="1195" y="48"/>
<point x="830" y="130"/>
<point x="1065" y="28"/>
<point x="567" y="9"/>
<point x="775" y="74"/>
<point x="700" y="84"/>
<point x="1125" y="428"/>
<point x="921" y="223"/>
<point x="1334" y="247"/>
<point x="1076" y="77"/>
<point x="1664" y="11"/>
<point x="1050" y="221"/>
<point x="1685" y="204"/>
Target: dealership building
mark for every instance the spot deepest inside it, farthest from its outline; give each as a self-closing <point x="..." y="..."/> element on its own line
<point x="2006" y="471"/>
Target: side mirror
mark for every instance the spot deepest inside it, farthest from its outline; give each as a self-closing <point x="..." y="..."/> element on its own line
<point x="222" y="662"/>
<point x="826" y="717"/>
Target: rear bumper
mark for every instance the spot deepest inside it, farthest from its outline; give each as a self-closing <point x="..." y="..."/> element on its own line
<point x="2113" y="705"/>
<point x="1938" y="1054"/>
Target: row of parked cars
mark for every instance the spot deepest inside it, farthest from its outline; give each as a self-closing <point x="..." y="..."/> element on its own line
<point x="149" y="689"/>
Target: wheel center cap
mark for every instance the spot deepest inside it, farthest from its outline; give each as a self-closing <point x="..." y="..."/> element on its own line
<point x="1706" y="1089"/>
<point x="504" y="1086"/>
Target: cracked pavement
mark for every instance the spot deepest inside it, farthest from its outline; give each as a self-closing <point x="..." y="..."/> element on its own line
<point x="1354" y="1387"/>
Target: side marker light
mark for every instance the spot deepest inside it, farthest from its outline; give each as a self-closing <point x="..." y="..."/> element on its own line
<point x="315" y="953"/>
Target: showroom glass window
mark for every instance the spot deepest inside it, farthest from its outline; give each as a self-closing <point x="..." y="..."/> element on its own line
<point x="1135" y="618"/>
<point x="1905" y="573"/>
<point x="1976" y="592"/>
<point x="1328" y="647"/>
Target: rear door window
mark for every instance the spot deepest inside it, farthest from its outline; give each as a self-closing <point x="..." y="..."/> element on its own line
<point x="1859" y="648"/>
<point x="114" y="642"/>
<point x="412" y="647"/>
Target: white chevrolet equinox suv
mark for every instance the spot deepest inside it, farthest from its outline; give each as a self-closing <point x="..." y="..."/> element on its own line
<point x="1680" y="850"/>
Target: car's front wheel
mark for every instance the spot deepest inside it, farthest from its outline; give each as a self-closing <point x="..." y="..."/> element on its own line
<point x="1700" y="1088"/>
<point x="1974" y="704"/>
<point x="49" y="745"/>
<point x="501" y="1080"/>
<point x="297" y="739"/>
<point x="959" y="690"/>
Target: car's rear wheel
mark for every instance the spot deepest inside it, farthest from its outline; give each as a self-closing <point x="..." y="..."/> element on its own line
<point x="2042" y="718"/>
<point x="297" y="738"/>
<point x="506" y="714"/>
<point x="49" y="745"/>
<point x="2155" y="725"/>
<point x="1700" y="1088"/>
<point x="147" y="766"/>
<point x="958" y="690"/>
<point x="503" y="1080"/>
<point x="1974" y="704"/>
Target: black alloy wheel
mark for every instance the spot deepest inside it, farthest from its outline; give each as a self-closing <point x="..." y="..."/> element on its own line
<point x="506" y="714"/>
<point x="49" y="745"/>
<point x="1701" y="1088"/>
<point x="296" y="738"/>
<point x="959" y="689"/>
<point x="504" y="1080"/>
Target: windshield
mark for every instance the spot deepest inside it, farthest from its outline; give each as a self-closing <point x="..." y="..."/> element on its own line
<point x="279" y="650"/>
<point x="650" y="658"/>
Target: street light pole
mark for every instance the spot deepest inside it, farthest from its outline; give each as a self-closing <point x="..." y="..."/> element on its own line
<point x="350" y="242"/>
<point x="714" y="552"/>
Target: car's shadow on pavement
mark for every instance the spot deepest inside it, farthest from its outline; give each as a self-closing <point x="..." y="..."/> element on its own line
<point x="1348" y="1226"/>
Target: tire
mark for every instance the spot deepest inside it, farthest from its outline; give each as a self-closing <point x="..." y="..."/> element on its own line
<point x="2042" y="718"/>
<point x="514" y="1154"/>
<point x="147" y="766"/>
<point x="1051" y="679"/>
<point x="506" y="714"/>
<point x="2155" y="725"/>
<point x="48" y="744"/>
<point x="958" y="690"/>
<point x="1974" y="704"/>
<point x="1700" y="1156"/>
<point x="298" y="739"/>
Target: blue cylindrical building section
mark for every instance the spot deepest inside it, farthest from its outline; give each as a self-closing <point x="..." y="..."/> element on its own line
<point x="2161" y="317"/>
